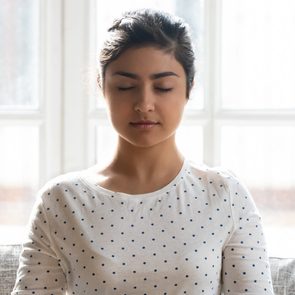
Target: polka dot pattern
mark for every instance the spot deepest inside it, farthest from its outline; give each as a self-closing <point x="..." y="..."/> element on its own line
<point x="200" y="234"/>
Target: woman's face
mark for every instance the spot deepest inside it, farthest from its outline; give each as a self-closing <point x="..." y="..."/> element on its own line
<point x="145" y="89"/>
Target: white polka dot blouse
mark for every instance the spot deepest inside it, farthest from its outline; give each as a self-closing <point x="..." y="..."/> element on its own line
<point x="200" y="234"/>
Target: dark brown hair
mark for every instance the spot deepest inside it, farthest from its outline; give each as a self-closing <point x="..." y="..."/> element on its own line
<point x="146" y="27"/>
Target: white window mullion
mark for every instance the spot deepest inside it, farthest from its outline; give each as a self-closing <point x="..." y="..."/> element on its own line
<point x="212" y="16"/>
<point x="75" y="57"/>
<point x="51" y="89"/>
<point x="94" y="116"/>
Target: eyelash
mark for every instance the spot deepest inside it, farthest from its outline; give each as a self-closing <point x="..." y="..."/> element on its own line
<point x="164" y="89"/>
<point x="125" y="88"/>
<point x="157" y="88"/>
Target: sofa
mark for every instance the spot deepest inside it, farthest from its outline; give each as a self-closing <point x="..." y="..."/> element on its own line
<point x="282" y="271"/>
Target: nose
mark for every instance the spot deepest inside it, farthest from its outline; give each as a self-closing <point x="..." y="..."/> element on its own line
<point x="144" y="101"/>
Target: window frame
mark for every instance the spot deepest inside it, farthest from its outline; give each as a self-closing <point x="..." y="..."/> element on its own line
<point x="68" y="116"/>
<point x="47" y="116"/>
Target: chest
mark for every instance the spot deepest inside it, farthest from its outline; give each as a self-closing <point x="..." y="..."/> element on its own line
<point x="167" y="241"/>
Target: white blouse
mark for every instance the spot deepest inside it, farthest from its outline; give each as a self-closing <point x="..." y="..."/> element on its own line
<point x="200" y="234"/>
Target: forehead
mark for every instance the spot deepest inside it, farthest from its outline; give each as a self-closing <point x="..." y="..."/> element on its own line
<point x="145" y="61"/>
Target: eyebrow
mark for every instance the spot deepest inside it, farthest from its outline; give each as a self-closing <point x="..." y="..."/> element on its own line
<point x="152" y="76"/>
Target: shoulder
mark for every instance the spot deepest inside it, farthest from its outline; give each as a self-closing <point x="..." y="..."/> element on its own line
<point x="212" y="175"/>
<point x="223" y="185"/>
<point x="61" y="184"/>
<point x="220" y="179"/>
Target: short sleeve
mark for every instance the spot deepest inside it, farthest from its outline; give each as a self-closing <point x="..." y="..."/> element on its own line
<point x="246" y="268"/>
<point x="39" y="270"/>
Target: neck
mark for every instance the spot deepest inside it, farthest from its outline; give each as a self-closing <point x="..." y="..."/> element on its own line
<point x="145" y="163"/>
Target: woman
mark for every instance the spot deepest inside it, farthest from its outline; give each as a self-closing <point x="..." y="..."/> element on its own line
<point x="151" y="222"/>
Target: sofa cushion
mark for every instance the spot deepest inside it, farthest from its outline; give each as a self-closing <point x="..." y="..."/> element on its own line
<point x="9" y="255"/>
<point x="283" y="275"/>
<point x="282" y="271"/>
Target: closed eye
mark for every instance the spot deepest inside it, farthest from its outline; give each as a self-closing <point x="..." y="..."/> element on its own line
<point x="125" y="88"/>
<point x="163" y="89"/>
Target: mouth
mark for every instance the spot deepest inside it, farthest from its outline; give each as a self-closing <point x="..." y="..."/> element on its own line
<point x="144" y="124"/>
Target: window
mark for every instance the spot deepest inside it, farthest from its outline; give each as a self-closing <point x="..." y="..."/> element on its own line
<point x="241" y="114"/>
<point x="257" y="112"/>
<point x="19" y="92"/>
<point x="29" y="107"/>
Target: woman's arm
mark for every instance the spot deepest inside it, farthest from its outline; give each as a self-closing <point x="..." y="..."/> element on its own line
<point x="246" y="268"/>
<point x="39" y="270"/>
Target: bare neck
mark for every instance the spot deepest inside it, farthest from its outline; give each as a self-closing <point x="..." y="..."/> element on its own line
<point x="142" y="163"/>
<point x="139" y="170"/>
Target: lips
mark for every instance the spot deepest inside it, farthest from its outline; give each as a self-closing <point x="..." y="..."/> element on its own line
<point x="144" y="124"/>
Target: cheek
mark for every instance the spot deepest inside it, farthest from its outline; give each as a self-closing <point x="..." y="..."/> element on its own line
<point x="172" y="114"/>
<point x="180" y="100"/>
<point x="117" y="110"/>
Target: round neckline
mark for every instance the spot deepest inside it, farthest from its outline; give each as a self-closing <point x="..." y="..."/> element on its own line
<point x="88" y="178"/>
